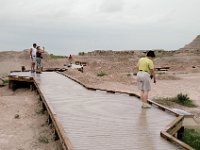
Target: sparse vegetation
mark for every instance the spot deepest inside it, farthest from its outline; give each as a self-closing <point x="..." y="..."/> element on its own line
<point x="101" y="74"/>
<point x="181" y="99"/>
<point x="6" y="81"/>
<point x="163" y="53"/>
<point x="43" y="139"/>
<point x="165" y="76"/>
<point x="129" y="75"/>
<point x="164" y="101"/>
<point x="40" y="110"/>
<point x="192" y="138"/>
<point x="52" y="56"/>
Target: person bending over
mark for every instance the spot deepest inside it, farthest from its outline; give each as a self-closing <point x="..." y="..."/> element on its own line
<point x="144" y="76"/>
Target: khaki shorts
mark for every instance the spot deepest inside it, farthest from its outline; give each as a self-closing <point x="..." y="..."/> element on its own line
<point x="143" y="81"/>
<point x="34" y="59"/>
<point x="39" y="62"/>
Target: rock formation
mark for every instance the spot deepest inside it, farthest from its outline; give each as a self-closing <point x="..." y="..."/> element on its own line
<point x="195" y="44"/>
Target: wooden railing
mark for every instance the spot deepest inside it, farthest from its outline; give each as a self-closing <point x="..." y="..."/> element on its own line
<point x="172" y="130"/>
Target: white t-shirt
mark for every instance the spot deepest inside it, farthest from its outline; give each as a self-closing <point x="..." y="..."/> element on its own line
<point x="34" y="50"/>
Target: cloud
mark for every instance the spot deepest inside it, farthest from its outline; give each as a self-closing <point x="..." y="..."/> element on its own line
<point x="91" y="24"/>
<point x="110" y="6"/>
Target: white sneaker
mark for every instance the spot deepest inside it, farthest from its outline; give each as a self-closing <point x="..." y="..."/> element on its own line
<point x="146" y="105"/>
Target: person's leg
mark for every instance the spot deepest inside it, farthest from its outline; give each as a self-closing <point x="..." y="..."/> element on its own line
<point x="41" y="65"/>
<point x="142" y="96"/>
<point x="146" y="89"/>
<point x="38" y="65"/>
<point x="145" y="98"/>
<point x="33" y="66"/>
<point x="143" y="86"/>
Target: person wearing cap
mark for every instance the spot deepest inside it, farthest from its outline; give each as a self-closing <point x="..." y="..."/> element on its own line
<point x="144" y="76"/>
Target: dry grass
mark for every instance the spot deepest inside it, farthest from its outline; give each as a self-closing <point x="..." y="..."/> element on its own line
<point x="165" y="76"/>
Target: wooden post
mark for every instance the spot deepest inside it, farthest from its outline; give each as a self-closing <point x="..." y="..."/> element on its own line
<point x="180" y="133"/>
<point x="23" y="68"/>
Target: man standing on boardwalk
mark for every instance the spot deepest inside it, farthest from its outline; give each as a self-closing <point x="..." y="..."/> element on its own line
<point x="144" y="76"/>
<point x="33" y="51"/>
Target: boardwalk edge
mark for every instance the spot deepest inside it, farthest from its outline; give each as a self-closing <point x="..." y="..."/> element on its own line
<point x="164" y="133"/>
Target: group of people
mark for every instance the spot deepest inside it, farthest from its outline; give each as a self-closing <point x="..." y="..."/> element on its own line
<point x="36" y="58"/>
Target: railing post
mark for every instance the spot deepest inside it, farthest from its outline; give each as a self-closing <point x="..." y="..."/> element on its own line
<point x="180" y="133"/>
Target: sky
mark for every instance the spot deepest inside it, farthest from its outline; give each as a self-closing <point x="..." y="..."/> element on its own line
<point x="66" y="27"/>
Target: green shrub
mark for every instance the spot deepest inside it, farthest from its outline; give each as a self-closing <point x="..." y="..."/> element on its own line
<point x="183" y="99"/>
<point x="192" y="138"/>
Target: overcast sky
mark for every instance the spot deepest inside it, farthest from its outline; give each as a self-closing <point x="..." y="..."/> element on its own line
<point x="72" y="26"/>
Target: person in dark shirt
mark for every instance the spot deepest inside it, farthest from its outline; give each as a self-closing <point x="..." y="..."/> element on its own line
<point x="39" y="59"/>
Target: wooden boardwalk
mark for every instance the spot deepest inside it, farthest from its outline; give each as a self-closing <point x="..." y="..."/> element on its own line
<point x="97" y="120"/>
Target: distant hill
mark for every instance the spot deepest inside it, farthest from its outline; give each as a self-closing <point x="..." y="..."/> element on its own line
<point x="195" y="44"/>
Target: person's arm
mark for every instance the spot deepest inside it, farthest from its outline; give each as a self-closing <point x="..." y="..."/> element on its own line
<point x="152" y="71"/>
<point x="152" y="74"/>
<point x="40" y="50"/>
<point x="135" y="69"/>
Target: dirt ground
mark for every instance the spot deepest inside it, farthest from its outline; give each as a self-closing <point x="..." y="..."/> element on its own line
<point x="23" y="126"/>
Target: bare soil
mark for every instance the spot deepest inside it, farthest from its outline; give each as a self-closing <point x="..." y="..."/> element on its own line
<point x="23" y="124"/>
